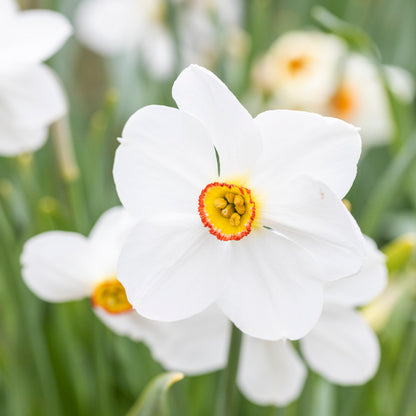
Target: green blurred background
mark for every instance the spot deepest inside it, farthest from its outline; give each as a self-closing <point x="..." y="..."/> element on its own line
<point x="59" y="359"/>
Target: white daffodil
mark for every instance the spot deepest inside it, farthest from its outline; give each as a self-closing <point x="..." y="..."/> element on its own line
<point x="113" y="27"/>
<point x="341" y="347"/>
<point x="31" y="97"/>
<point x="60" y="266"/>
<point x="260" y="236"/>
<point x="360" y="97"/>
<point x="300" y="69"/>
<point x="63" y="266"/>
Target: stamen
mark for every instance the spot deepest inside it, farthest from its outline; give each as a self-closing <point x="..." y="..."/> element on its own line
<point x="220" y="203"/>
<point x="228" y="211"/>
<point x="111" y="296"/>
<point x="235" y="219"/>
<point x="229" y="196"/>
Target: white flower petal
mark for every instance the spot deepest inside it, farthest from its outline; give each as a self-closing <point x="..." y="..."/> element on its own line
<point x="32" y="37"/>
<point x="342" y="347"/>
<point x="296" y="143"/>
<point x="200" y="93"/>
<point x="15" y="140"/>
<point x="129" y="324"/>
<point x="56" y="266"/>
<point x="196" y="345"/>
<point x="33" y="98"/>
<point x="8" y="9"/>
<point x="172" y="268"/>
<point x="164" y="162"/>
<point x="365" y="285"/>
<point x="273" y="292"/>
<point x="308" y="213"/>
<point x="107" y="238"/>
<point x="270" y="372"/>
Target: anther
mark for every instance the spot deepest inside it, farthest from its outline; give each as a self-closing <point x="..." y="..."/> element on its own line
<point x="220" y="203"/>
<point x="235" y="219"/>
<point x="239" y="204"/>
<point x="229" y="196"/>
<point x="227" y="211"/>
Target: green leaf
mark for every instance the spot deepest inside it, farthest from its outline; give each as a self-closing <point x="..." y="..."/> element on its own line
<point x="355" y="37"/>
<point x="153" y="401"/>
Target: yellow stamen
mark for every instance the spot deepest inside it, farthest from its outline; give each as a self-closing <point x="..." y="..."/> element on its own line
<point x="220" y="203"/>
<point x="111" y="296"/>
<point x="228" y="211"/>
<point x="235" y="220"/>
<point x="229" y="196"/>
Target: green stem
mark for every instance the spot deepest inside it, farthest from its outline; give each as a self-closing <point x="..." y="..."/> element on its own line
<point x="228" y="393"/>
<point x="388" y="186"/>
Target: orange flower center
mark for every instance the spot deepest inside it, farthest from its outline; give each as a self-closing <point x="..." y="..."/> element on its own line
<point x="296" y="65"/>
<point x="111" y="296"/>
<point x="227" y="210"/>
<point x="343" y="102"/>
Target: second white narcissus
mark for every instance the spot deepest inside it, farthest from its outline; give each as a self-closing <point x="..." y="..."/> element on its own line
<point x="341" y="347"/>
<point x="300" y="69"/>
<point x="31" y="97"/>
<point x="63" y="266"/>
<point x="114" y="27"/>
<point x="243" y="212"/>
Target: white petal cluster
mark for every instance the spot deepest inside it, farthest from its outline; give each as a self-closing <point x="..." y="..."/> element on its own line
<point x="31" y="97"/>
<point x="269" y="283"/>
<point x="314" y="71"/>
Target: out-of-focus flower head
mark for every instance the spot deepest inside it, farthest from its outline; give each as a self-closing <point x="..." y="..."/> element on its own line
<point x="313" y="71"/>
<point x="300" y="69"/>
<point x="114" y="27"/>
<point x="31" y="97"/>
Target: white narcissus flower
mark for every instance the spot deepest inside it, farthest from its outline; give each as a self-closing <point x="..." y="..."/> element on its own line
<point x="112" y="27"/>
<point x="261" y="237"/>
<point x="341" y="347"/>
<point x="300" y="69"/>
<point x="360" y="97"/>
<point x="63" y="266"/>
<point x="31" y="97"/>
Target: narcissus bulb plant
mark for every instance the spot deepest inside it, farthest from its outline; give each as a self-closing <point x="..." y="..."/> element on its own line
<point x="31" y="97"/>
<point x="245" y="213"/>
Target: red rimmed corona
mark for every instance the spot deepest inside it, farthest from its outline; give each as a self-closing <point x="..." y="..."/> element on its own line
<point x="111" y="296"/>
<point x="227" y="210"/>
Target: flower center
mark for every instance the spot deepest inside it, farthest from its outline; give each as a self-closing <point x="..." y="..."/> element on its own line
<point x="227" y="210"/>
<point x="111" y="296"/>
<point x="343" y="102"/>
<point x="297" y="65"/>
